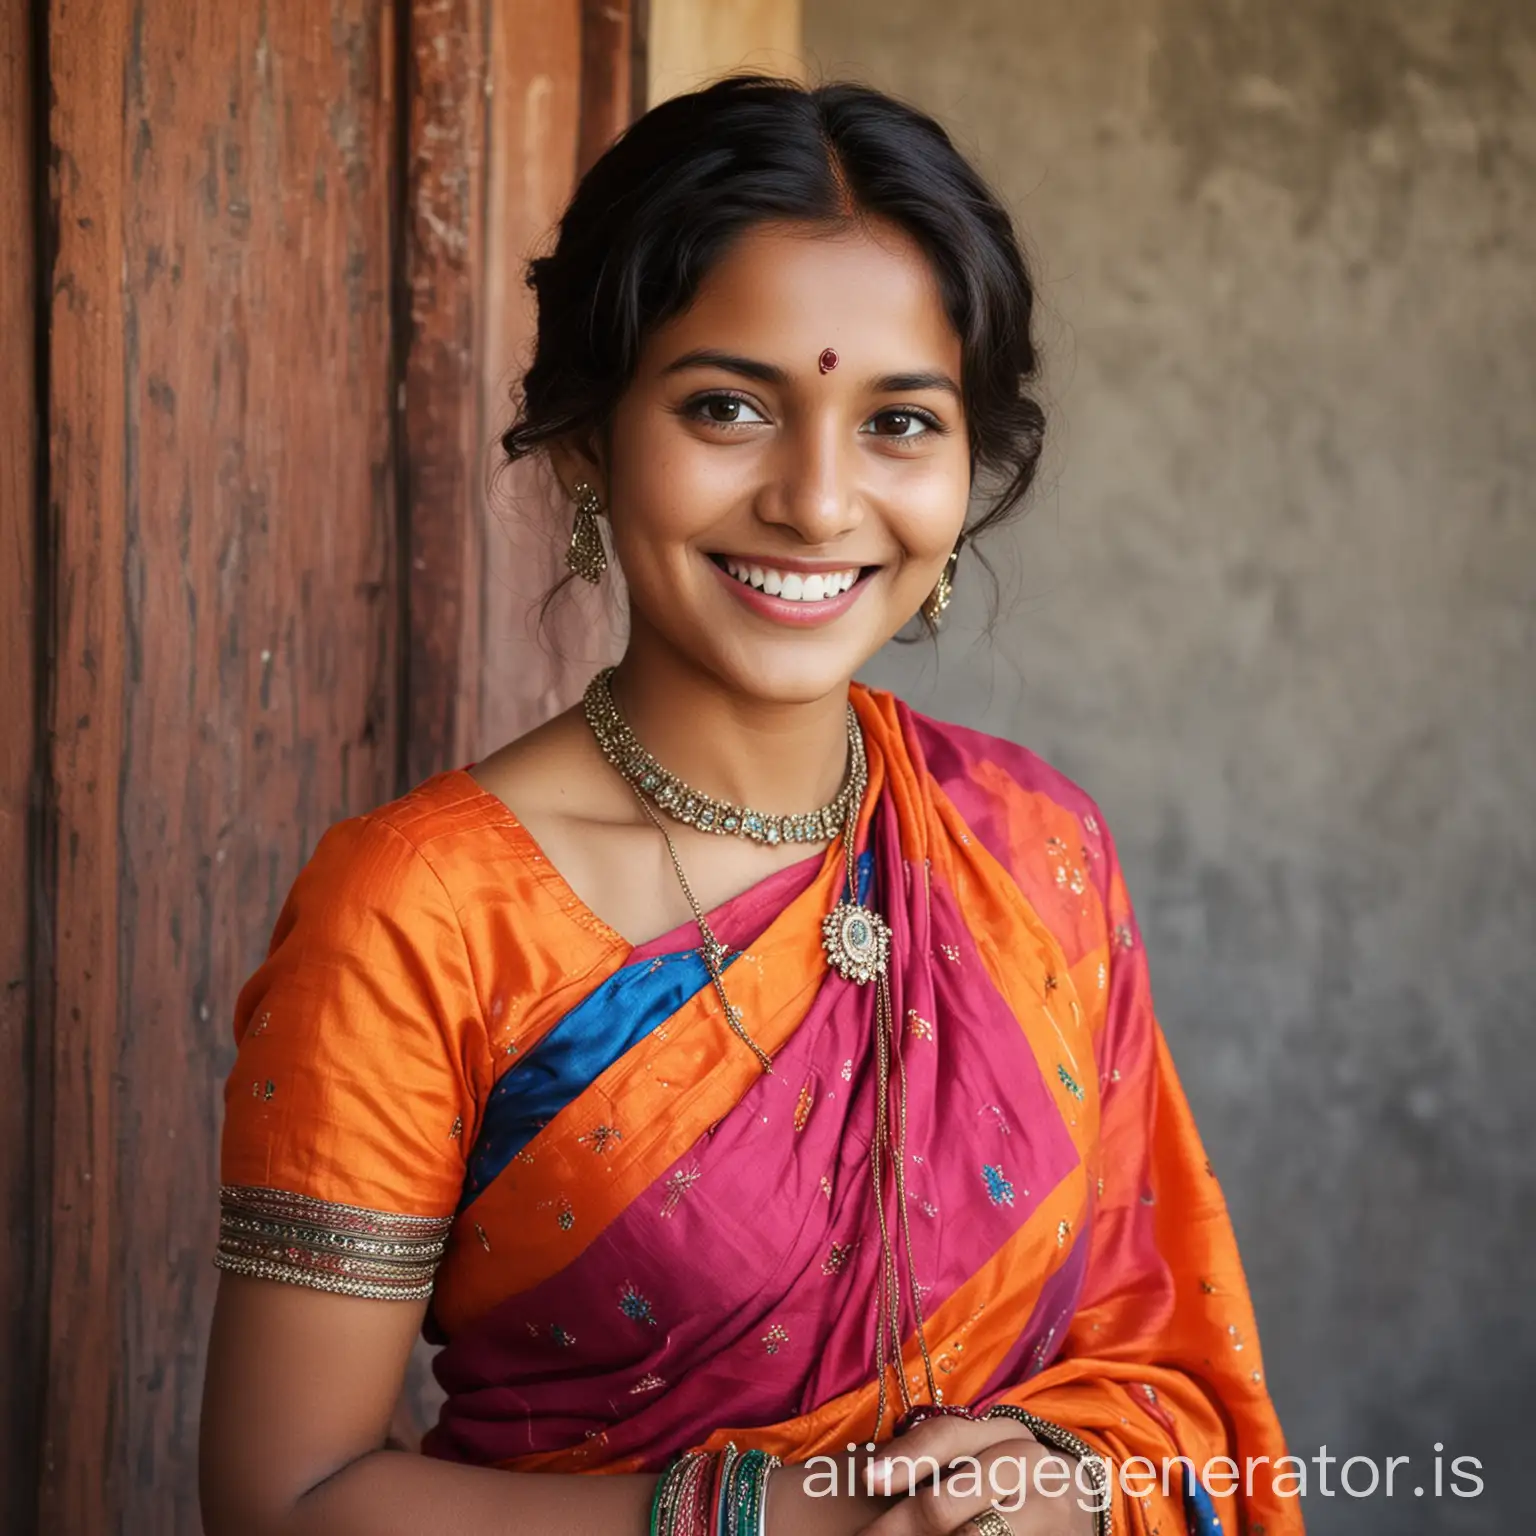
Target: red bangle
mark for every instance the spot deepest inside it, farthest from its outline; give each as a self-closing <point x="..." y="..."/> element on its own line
<point x="723" y="1458"/>
<point x="919" y="1413"/>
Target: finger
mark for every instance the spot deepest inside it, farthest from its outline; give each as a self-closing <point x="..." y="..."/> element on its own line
<point x="912" y="1460"/>
<point x="1029" y="1486"/>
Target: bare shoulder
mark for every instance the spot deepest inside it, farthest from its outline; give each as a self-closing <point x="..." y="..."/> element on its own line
<point x="585" y="820"/>
<point x="554" y="776"/>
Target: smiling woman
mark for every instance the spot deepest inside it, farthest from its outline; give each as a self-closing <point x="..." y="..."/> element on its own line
<point x="739" y="1068"/>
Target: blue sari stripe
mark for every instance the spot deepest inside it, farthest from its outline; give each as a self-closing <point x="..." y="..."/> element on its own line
<point x="1199" y="1511"/>
<point x="606" y="1023"/>
<point x="610" y="1020"/>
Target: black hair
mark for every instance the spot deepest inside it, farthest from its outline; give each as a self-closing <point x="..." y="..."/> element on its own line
<point x="661" y="206"/>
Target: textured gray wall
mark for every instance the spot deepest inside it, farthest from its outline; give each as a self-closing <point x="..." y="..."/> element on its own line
<point x="1275" y="606"/>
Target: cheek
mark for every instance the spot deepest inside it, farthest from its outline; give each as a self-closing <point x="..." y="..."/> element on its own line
<point x="930" y="512"/>
<point x="673" y="486"/>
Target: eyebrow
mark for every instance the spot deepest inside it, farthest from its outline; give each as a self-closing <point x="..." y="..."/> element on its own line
<point x="771" y="373"/>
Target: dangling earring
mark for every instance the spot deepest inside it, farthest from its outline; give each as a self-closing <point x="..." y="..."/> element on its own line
<point x="938" y="600"/>
<point x="585" y="553"/>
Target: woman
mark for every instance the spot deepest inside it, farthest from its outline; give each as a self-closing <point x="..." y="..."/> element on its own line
<point x="739" y="1069"/>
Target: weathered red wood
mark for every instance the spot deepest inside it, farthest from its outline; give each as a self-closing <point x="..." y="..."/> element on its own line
<point x="20" y="1297"/>
<point x="82" y="1472"/>
<point x="441" y="426"/>
<point x="536" y="51"/>
<point x="224" y="535"/>
<point x="639" y="56"/>
<point x="259" y="568"/>
<point x="482" y="193"/>
<point x="606" y="65"/>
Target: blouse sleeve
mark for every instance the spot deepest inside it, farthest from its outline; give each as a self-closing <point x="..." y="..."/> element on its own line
<point x="1161" y="1360"/>
<point x="361" y="1060"/>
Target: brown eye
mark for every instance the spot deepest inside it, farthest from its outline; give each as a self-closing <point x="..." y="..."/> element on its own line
<point x="720" y="410"/>
<point x="904" y="426"/>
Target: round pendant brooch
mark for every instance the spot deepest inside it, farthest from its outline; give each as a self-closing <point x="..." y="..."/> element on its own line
<point x="857" y="942"/>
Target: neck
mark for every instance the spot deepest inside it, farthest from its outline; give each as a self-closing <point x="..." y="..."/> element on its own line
<point x="781" y="759"/>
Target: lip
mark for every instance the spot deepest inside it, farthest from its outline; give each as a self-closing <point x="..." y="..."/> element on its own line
<point x="783" y="611"/>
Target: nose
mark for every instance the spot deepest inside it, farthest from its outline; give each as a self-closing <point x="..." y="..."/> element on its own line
<point x="813" y="491"/>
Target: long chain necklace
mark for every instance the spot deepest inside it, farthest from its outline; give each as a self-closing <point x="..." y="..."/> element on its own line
<point x="857" y="943"/>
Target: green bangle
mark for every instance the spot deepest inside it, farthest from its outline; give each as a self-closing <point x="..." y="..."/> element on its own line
<point x="744" y="1493"/>
<point x="1060" y="1439"/>
<point x="664" y="1497"/>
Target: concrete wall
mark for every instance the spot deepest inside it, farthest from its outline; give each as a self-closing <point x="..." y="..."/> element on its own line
<point x="1275" y="605"/>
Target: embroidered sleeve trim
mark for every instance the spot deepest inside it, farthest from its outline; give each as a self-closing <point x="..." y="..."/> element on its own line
<point x="274" y="1234"/>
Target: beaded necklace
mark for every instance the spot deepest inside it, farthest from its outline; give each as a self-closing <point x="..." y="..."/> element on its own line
<point x="693" y="807"/>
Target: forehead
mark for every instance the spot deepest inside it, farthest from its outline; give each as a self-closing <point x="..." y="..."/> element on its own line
<point x="783" y="292"/>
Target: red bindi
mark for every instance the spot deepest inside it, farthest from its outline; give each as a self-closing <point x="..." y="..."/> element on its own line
<point x="827" y="361"/>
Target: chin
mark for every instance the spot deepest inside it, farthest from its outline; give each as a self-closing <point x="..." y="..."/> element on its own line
<point x="790" y="674"/>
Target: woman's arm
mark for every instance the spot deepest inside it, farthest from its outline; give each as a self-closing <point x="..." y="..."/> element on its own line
<point x="296" y="1409"/>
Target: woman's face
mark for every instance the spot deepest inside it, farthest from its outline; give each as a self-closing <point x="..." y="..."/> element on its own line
<point x="779" y="516"/>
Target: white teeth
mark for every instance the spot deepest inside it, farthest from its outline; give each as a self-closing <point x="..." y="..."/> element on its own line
<point x="793" y="585"/>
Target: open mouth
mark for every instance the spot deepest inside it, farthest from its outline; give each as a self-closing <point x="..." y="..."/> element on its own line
<point x="793" y="586"/>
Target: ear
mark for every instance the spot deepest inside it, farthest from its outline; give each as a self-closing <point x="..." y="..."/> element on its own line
<point x="578" y="458"/>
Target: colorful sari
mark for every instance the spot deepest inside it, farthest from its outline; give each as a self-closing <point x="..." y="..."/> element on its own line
<point x="453" y="1079"/>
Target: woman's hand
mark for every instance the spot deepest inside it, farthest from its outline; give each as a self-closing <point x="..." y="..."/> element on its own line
<point x="795" y="1510"/>
<point x="1037" y="1487"/>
